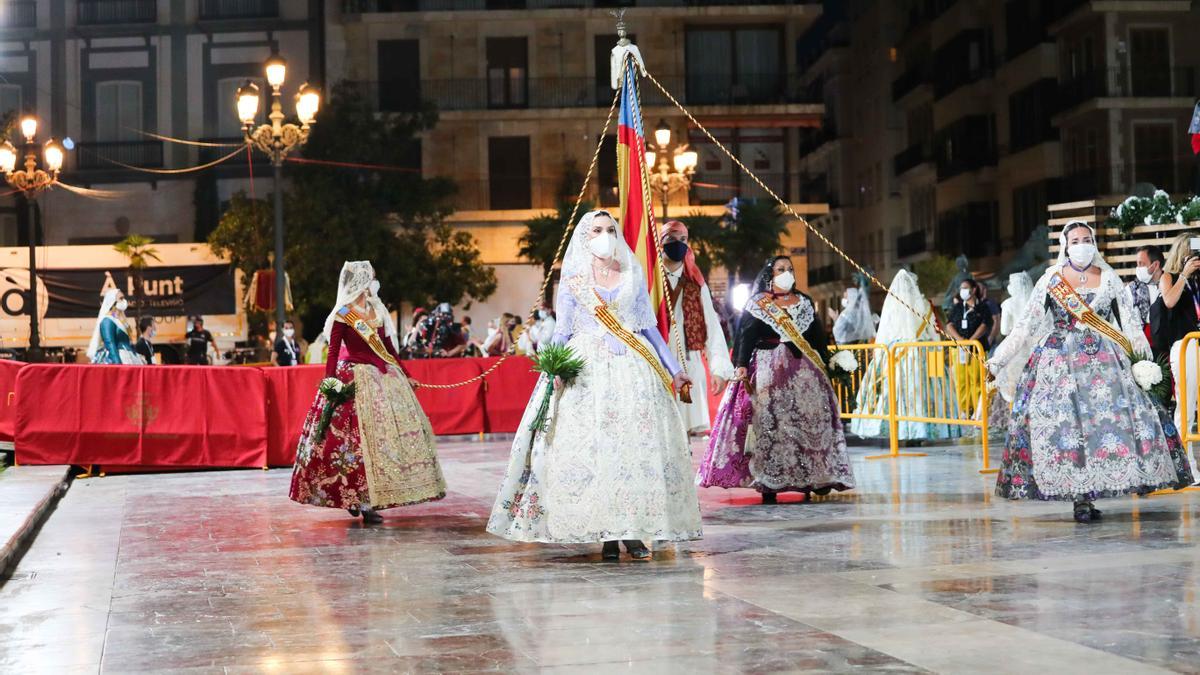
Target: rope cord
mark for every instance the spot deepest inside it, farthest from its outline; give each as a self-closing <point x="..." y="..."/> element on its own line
<point x="190" y="169"/>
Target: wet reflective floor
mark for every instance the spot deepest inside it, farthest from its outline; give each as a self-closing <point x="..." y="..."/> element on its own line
<point x="919" y="570"/>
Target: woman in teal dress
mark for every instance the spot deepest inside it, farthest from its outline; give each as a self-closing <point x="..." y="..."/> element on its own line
<point x="110" y="339"/>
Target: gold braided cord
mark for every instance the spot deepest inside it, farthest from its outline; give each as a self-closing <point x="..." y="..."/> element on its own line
<point x="836" y="249"/>
<point x="189" y="169"/>
<point x="184" y="141"/>
<point x="562" y="245"/>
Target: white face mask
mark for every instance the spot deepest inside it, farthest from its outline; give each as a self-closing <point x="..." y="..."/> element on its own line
<point x="603" y="245"/>
<point x="374" y="287"/>
<point x="289" y="332"/>
<point x="541" y="313"/>
<point x="964" y="293"/>
<point x="1081" y="254"/>
<point x="1143" y="274"/>
<point x="785" y="281"/>
<point x="122" y="304"/>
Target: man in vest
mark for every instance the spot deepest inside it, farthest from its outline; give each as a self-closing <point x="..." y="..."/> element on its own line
<point x="692" y="305"/>
<point x="1143" y="290"/>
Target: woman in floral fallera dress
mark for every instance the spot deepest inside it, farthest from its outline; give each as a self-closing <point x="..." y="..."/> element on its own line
<point x="378" y="451"/>
<point x="1081" y="427"/>
<point x="779" y="428"/>
<point x="613" y="463"/>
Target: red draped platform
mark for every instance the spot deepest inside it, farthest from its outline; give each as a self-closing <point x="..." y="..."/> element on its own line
<point x="8" y="389"/>
<point x="192" y="416"/>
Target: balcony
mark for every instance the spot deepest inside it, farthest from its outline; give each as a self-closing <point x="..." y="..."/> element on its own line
<point x="1171" y="175"/>
<point x="106" y="155"/>
<point x="18" y="14"/>
<point x="107" y="12"/>
<point x="1025" y="26"/>
<point x="971" y="230"/>
<point x="217" y="10"/>
<point x="709" y="188"/>
<point x="964" y="59"/>
<point x="911" y="157"/>
<point x="384" y="6"/>
<point x="812" y="139"/>
<point x="564" y="92"/>
<point x="911" y="79"/>
<point x="1121" y="83"/>
<point x="924" y="12"/>
<point x="816" y="190"/>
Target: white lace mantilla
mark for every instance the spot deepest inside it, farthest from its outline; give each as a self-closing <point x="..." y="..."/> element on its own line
<point x="802" y="314"/>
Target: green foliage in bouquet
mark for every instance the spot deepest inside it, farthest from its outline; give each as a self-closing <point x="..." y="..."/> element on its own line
<point x="1156" y="383"/>
<point x="336" y="393"/>
<point x="553" y="361"/>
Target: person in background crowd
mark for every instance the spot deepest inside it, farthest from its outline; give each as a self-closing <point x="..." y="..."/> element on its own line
<point x="144" y="347"/>
<point x="1174" y="317"/>
<point x="969" y="319"/>
<point x="782" y="391"/>
<point x="1019" y="288"/>
<point x="542" y="331"/>
<point x="199" y="341"/>
<point x="698" y="325"/>
<point x="1143" y="291"/>
<point x="1081" y="427"/>
<point x="287" y="350"/>
<point x="378" y="451"/>
<point x="439" y="335"/>
<point x="855" y="325"/>
<point x="500" y="342"/>
<point x="317" y="350"/>
<point x="413" y="336"/>
<point x="110" y="338"/>
<point x="472" y="343"/>
<point x="517" y="336"/>
<point x="993" y="335"/>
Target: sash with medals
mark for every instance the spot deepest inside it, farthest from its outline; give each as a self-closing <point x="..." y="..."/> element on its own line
<point x="606" y="318"/>
<point x="783" y="321"/>
<point x="361" y="326"/>
<point x="1069" y="299"/>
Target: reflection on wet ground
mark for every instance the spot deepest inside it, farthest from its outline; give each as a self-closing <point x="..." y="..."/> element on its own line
<point x="921" y="569"/>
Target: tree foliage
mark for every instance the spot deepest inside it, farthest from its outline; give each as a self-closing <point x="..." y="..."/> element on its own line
<point x="935" y="274"/>
<point x="753" y="232"/>
<point x="705" y="238"/>
<point x="380" y="210"/>
<point x="139" y="251"/>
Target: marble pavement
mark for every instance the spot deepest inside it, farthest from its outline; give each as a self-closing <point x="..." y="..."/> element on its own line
<point x="919" y="570"/>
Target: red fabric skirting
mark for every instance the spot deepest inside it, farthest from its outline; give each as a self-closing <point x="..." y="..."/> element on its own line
<point x="8" y="389"/>
<point x="192" y="416"/>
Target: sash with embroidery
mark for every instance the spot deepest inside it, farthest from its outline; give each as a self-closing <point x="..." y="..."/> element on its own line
<point x="606" y="318"/>
<point x="371" y="337"/>
<point x="783" y="321"/>
<point x="1069" y="299"/>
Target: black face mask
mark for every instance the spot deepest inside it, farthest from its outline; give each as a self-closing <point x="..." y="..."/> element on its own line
<point x="675" y="250"/>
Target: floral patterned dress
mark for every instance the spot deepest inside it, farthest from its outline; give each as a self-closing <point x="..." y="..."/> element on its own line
<point x="787" y="435"/>
<point x="1081" y="428"/>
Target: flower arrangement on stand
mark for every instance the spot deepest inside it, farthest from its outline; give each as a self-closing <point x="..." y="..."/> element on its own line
<point x="1155" y="210"/>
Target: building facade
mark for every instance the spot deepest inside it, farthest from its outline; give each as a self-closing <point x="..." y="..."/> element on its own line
<point x="105" y="73"/>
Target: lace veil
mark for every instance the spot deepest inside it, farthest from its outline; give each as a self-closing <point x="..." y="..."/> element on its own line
<point x="356" y="277"/>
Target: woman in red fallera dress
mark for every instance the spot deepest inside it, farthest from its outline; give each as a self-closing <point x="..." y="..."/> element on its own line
<point x="378" y="451"/>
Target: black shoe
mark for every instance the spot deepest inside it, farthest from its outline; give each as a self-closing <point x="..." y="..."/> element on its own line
<point x="770" y="498"/>
<point x="637" y="550"/>
<point x="611" y="551"/>
<point x="1096" y="515"/>
<point x="821" y="492"/>
<point x="371" y="517"/>
<point x="1083" y="512"/>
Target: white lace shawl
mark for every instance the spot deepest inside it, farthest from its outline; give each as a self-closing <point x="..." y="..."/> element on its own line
<point x="1036" y="324"/>
<point x="803" y="313"/>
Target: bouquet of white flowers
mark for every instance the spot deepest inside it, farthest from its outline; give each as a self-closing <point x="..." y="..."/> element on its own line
<point x="841" y="365"/>
<point x="336" y="393"/>
<point x="1152" y="377"/>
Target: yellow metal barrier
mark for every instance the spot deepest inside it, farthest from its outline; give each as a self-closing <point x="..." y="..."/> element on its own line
<point x="930" y="366"/>
<point x="1186" y="397"/>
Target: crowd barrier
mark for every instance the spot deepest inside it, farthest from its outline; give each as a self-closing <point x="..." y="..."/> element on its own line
<point x="194" y="416"/>
<point x="929" y="365"/>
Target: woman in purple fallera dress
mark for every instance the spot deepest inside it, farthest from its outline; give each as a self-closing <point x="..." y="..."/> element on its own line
<point x="778" y="428"/>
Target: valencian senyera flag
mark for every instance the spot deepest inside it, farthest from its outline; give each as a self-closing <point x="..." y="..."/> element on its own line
<point x="637" y="213"/>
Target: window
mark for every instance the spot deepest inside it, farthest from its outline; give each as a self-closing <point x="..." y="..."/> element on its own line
<point x="10" y="99"/>
<point x="1150" y="61"/>
<point x="509" y="172"/>
<point x="1153" y="157"/>
<point x="1029" y="210"/>
<point x="742" y="65"/>
<point x="606" y="171"/>
<point x="507" y="72"/>
<point x="399" y="69"/>
<point x="119" y="111"/>
<point x="1029" y="112"/>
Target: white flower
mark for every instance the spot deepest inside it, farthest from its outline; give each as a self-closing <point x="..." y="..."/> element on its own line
<point x="1161" y="194"/>
<point x="1147" y="374"/>
<point x="1149" y="220"/>
<point x="845" y="360"/>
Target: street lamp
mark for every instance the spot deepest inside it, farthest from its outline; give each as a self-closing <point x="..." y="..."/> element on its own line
<point x="675" y="168"/>
<point x="277" y="139"/>
<point x="30" y="181"/>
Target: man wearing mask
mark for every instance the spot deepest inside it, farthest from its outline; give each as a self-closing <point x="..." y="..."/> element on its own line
<point x="1143" y="291"/>
<point x="692" y="304"/>
<point x="146" y="333"/>
<point x="198" y="342"/>
<point x="287" y="350"/>
<point x="543" y="328"/>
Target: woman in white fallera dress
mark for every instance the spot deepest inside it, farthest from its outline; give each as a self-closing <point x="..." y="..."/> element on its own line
<point x="613" y="463"/>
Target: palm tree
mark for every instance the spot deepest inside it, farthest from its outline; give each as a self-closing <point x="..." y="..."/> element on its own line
<point x="137" y="250"/>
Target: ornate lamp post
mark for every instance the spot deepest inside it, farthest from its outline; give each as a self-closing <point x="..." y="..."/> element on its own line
<point x="277" y="139"/>
<point x="30" y="181"/>
<point x="669" y="176"/>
